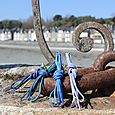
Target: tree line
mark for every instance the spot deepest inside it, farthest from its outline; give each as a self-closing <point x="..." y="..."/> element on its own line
<point x="14" y="24"/>
<point x="56" y="22"/>
<point x="73" y="21"/>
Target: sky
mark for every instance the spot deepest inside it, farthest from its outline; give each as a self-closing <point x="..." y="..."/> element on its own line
<point x="22" y="9"/>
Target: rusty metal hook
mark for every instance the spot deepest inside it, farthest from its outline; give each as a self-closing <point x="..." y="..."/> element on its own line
<point x="39" y="32"/>
<point x="75" y="39"/>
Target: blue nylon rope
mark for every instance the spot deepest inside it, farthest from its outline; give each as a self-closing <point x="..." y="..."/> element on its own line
<point x="57" y="93"/>
<point x="38" y="81"/>
<point x="19" y="82"/>
<point x="72" y="72"/>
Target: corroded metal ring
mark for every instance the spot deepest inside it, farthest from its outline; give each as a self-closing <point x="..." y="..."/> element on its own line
<point x="106" y="34"/>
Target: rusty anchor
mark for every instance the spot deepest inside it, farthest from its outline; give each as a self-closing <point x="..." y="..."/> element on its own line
<point x="92" y="81"/>
<point x="89" y="78"/>
<point x="88" y="43"/>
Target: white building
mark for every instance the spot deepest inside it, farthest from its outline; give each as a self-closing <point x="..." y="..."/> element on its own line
<point x="53" y="36"/>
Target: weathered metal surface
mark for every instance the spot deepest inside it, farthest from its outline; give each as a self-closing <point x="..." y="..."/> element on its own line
<point x="103" y="59"/>
<point x="39" y="32"/>
<point x="82" y="71"/>
<point x="88" y="78"/>
<point x="86" y="82"/>
<point x="97" y="80"/>
<point x="83" y="45"/>
<point x="109" y="45"/>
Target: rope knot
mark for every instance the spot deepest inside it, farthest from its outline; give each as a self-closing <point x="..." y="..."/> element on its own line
<point x="57" y="93"/>
<point x="58" y="74"/>
<point x="71" y="68"/>
<point x="35" y="74"/>
<point x="43" y="72"/>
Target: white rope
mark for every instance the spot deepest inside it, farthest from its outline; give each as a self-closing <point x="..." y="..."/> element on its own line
<point x="72" y="72"/>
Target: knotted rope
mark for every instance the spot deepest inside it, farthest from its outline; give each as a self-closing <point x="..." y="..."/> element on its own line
<point x="24" y="80"/>
<point x="72" y="72"/>
<point x="44" y="72"/>
<point x="57" y="93"/>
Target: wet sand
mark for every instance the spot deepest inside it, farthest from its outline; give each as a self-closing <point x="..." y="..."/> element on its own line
<point x="12" y="52"/>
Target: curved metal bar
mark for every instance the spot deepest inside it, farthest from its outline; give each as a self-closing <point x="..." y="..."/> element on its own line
<point x="103" y="59"/>
<point x="91" y="81"/>
<point x="109" y="45"/>
<point x="82" y="71"/>
<point x="39" y="32"/>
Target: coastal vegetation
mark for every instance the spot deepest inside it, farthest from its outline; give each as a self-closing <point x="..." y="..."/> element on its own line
<point x="57" y="21"/>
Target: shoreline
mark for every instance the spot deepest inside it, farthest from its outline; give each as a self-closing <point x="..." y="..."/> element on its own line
<point x="51" y="45"/>
<point x="14" y="52"/>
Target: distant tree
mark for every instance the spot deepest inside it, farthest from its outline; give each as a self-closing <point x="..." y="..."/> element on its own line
<point x="64" y="21"/>
<point x="48" y="23"/>
<point x="101" y="21"/>
<point x="57" y="18"/>
<point x="113" y="20"/>
<point x="57" y="23"/>
<point x="1" y="26"/>
<point x="89" y="18"/>
<point x="14" y="24"/>
<point x="5" y="24"/>
<point x="82" y="19"/>
<point x="28" y="23"/>
<point x="69" y="21"/>
<point x="73" y="20"/>
<point x="108" y="22"/>
<point x="9" y="24"/>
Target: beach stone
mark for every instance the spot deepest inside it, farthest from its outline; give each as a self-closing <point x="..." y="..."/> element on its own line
<point x="17" y="72"/>
<point x="113" y="94"/>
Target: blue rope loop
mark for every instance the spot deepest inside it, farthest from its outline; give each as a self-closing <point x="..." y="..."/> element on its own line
<point x="19" y="82"/>
<point x="38" y="82"/>
<point x="57" y="93"/>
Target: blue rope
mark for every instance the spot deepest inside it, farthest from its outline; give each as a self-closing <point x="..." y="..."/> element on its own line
<point x="57" y="93"/>
<point x="38" y="81"/>
<point x="19" y="82"/>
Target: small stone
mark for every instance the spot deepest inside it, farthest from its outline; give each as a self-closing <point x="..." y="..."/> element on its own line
<point x="113" y="94"/>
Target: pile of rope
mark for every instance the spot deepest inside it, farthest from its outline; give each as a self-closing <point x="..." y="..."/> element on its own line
<point x="56" y="97"/>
